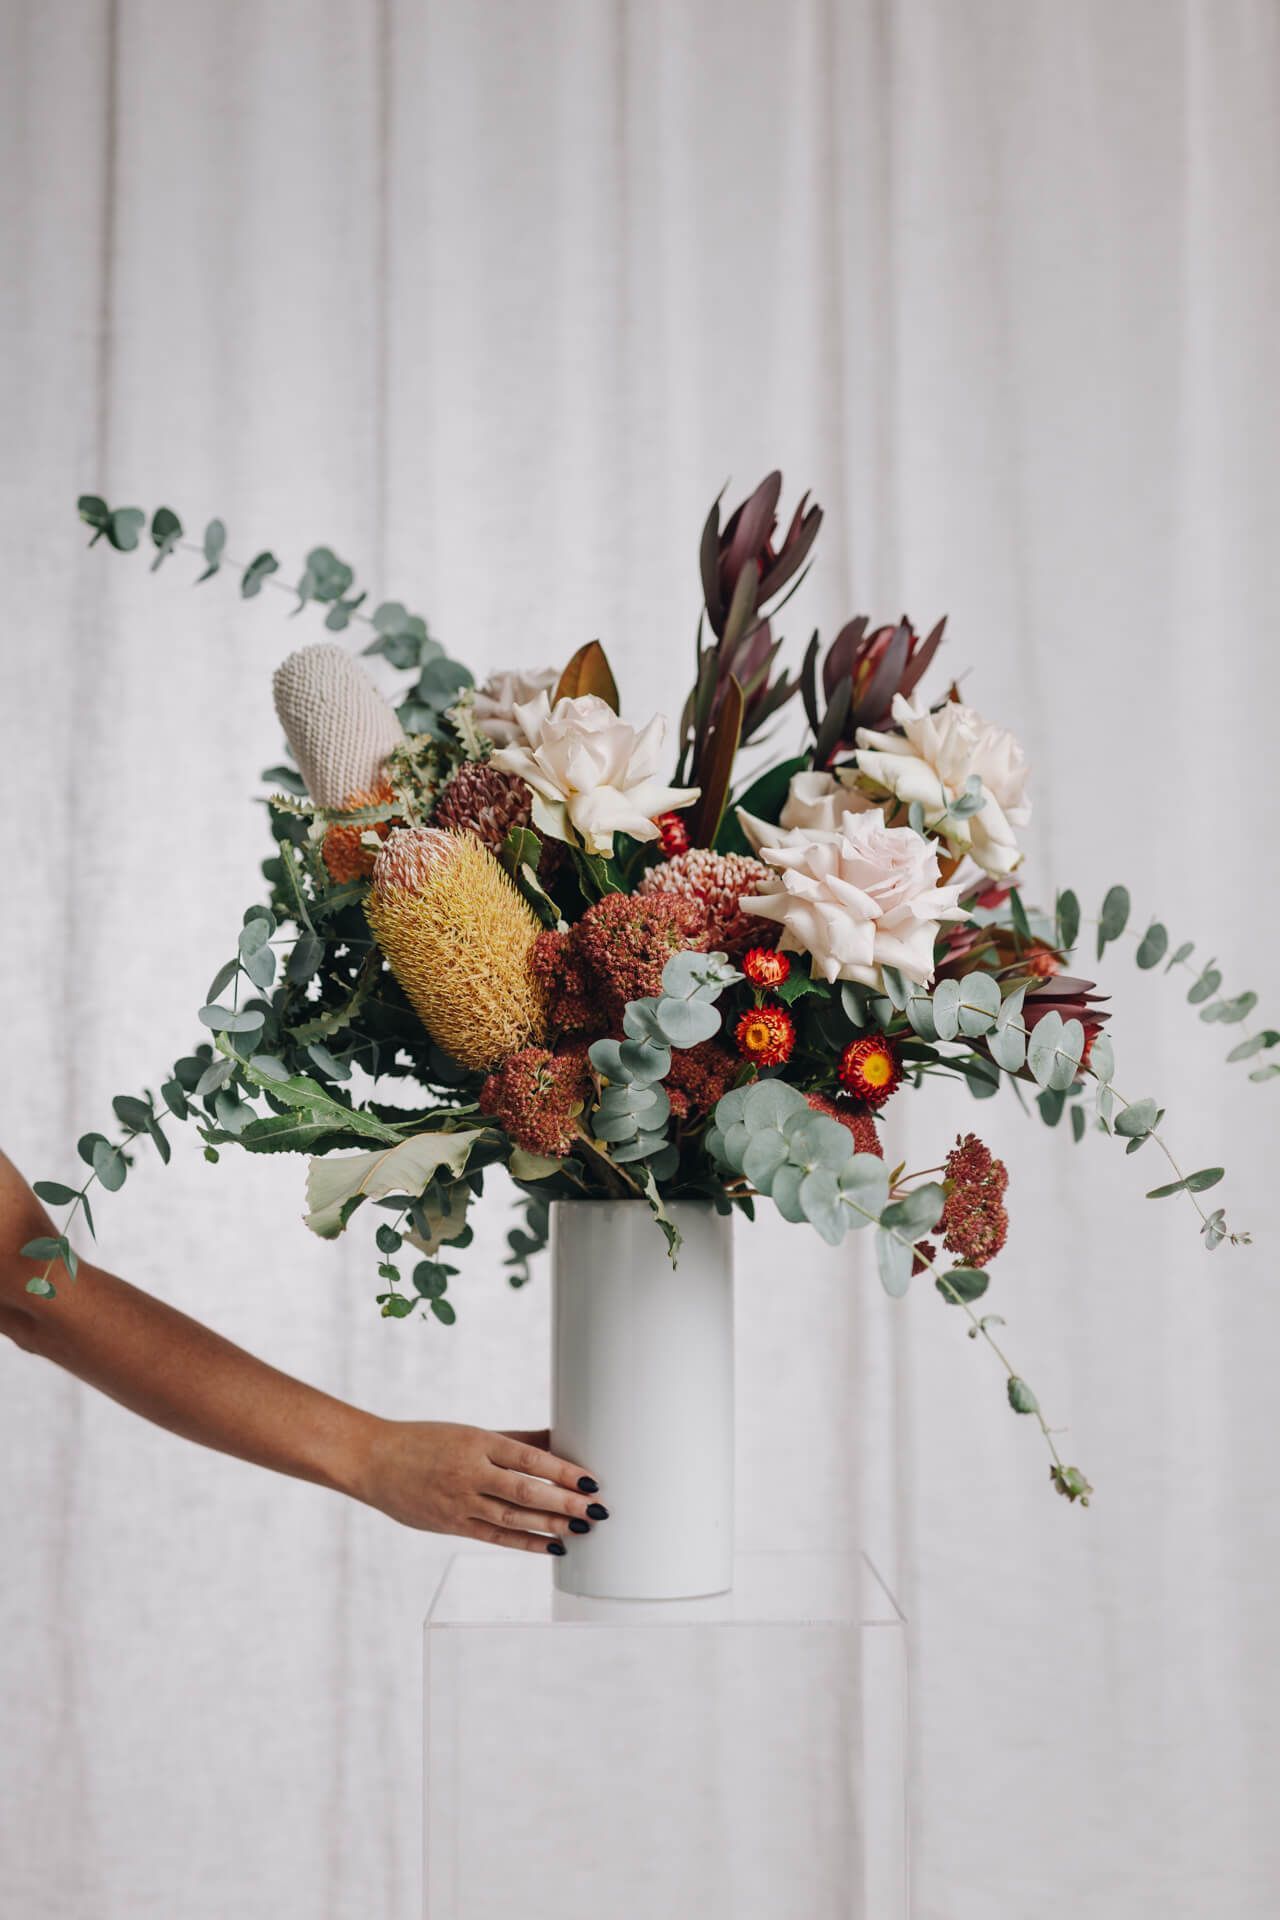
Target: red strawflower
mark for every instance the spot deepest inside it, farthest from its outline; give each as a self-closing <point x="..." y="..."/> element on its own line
<point x="537" y="1096"/>
<point x="765" y="1036"/>
<point x="871" y="1069"/>
<point x="766" y="967"/>
<point x="673" y="834"/>
<point x="974" y="1221"/>
<point x="858" y="1119"/>
<point x="698" y="1077"/>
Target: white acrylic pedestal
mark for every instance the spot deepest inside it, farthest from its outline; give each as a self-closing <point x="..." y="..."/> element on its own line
<point x="736" y="1758"/>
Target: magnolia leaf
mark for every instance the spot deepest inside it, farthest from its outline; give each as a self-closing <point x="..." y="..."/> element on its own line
<point x="337" y="1185"/>
<point x="588" y="672"/>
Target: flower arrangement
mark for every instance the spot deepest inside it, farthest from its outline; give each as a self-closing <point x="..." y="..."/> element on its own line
<point x="617" y="986"/>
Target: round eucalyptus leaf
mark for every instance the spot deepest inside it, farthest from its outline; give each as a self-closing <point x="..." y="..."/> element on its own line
<point x="737" y="1137"/>
<point x="730" y="1107"/>
<point x="865" y="1179"/>
<point x="770" y="1102"/>
<point x="765" y="1153"/>
<point x="815" y="1140"/>
<point x="640" y="1020"/>
<point x="785" y="1193"/>
<point x="895" y="1259"/>
<point x="109" y="1165"/>
<point x="684" y="1023"/>
<point x="962" y="1284"/>
<point x="1021" y="1398"/>
<point x="819" y="1195"/>
<point x="946" y="1009"/>
<point x="1008" y="1048"/>
<point x="979" y="1004"/>
<point x="1152" y="946"/>
<point x="54" y="1194"/>
<point x="1042" y="1047"/>
<point x="1102" y="1058"/>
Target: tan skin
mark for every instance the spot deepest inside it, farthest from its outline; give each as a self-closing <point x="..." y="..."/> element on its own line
<point x="504" y="1488"/>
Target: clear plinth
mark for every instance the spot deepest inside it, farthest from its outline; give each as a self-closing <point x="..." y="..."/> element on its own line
<point x="736" y="1758"/>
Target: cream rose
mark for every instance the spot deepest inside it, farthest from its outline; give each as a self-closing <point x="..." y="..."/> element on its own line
<point x="495" y="703"/>
<point x="858" y="900"/>
<point x="931" y="761"/>
<point x="815" y="801"/>
<point x="590" y="769"/>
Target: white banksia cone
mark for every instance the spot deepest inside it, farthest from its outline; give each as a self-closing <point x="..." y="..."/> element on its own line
<point x="338" y="725"/>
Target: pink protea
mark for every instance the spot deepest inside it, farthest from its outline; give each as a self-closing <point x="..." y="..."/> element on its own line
<point x="716" y="882"/>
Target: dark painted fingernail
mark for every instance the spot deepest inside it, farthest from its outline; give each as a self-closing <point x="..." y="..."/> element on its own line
<point x="587" y="1485"/>
<point x="579" y="1526"/>
<point x="556" y="1546"/>
<point x="596" y="1512"/>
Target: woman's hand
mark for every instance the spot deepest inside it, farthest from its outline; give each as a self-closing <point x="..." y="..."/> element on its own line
<point x="504" y="1488"/>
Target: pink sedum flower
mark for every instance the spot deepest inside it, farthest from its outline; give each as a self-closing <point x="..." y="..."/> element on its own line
<point x="592" y="770"/>
<point x="858" y="901"/>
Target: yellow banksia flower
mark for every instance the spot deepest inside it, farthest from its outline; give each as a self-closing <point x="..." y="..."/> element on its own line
<point x="458" y="937"/>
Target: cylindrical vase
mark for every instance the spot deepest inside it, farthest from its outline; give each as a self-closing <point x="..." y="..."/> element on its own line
<point x="642" y="1395"/>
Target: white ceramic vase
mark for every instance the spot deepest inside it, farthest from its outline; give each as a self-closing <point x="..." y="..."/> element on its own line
<point x="642" y="1395"/>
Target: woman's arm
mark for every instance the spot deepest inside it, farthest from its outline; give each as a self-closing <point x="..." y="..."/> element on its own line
<point x="173" y="1371"/>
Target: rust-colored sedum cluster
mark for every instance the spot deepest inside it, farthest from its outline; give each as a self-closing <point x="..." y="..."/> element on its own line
<point x="458" y="937"/>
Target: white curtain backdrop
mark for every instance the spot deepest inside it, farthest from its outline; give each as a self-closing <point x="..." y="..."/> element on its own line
<point x="493" y="299"/>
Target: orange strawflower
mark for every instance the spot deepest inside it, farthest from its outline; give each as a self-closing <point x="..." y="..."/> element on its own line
<point x="1041" y="960"/>
<point x="870" y="1069"/>
<point x="766" y="967"/>
<point x="765" y="1036"/>
<point x="343" y="854"/>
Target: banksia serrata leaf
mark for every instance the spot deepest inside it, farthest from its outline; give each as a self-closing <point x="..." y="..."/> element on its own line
<point x="458" y="937"/>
